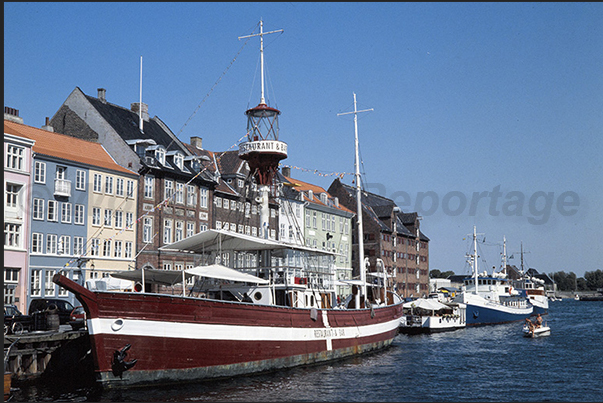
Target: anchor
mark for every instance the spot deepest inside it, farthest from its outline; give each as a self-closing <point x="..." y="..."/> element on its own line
<point x="119" y="363"/>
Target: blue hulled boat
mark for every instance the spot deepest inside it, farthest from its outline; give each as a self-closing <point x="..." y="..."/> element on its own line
<point x="491" y="299"/>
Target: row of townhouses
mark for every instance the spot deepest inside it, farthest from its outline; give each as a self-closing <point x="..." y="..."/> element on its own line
<point x="100" y="188"/>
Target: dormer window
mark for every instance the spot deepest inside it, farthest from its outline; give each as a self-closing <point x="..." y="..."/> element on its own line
<point x="160" y="155"/>
<point x="323" y="198"/>
<point x="179" y="160"/>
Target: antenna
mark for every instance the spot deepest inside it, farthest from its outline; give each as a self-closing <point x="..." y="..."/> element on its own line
<point x="140" y="120"/>
<point x="261" y="35"/>
<point x="361" y="264"/>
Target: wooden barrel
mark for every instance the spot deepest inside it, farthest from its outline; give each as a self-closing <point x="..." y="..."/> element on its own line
<point x="52" y="318"/>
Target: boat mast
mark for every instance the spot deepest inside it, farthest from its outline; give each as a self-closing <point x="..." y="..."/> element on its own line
<point x="361" y="264"/>
<point x="475" y="258"/>
<point x="504" y="256"/>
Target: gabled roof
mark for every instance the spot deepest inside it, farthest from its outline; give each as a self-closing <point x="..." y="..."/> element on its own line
<point x="125" y="123"/>
<point x="65" y="147"/>
<point x="304" y="187"/>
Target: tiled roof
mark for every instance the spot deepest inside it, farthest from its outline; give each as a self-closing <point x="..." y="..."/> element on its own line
<point x="125" y="122"/>
<point x="65" y="147"/>
<point x="316" y="191"/>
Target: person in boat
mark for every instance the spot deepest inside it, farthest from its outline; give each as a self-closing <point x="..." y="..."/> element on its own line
<point x="530" y="325"/>
<point x="538" y="321"/>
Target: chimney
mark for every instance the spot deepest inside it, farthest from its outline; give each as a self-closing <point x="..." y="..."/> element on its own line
<point x="196" y="142"/>
<point x="336" y="201"/>
<point x="12" y="114"/>
<point x="135" y="107"/>
<point x="102" y="95"/>
<point x="286" y="171"/>
<point x="47" y="126"/>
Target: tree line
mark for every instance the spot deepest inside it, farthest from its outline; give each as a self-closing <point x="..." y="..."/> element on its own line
<point x="592" y="280"/>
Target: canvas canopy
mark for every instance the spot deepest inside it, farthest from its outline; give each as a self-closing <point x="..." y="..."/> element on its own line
<point x="213" y="240"/>
<point x="225" y="273"/>
<point x="165" y="277"/>
<point x="425" y="303"/>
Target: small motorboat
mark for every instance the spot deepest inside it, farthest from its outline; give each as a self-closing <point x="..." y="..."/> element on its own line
<point x="536" y="331"/>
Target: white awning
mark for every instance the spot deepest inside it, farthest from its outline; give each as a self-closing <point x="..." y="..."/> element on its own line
<point x="225" y="273"/>
<point x="220" y="240"/>
<point x="425" y="303"/>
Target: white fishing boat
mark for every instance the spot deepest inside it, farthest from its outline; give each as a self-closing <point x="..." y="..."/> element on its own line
<point x="491" y="299"/>
<point x="427" y="315"/>
<point x="534" y="290"/>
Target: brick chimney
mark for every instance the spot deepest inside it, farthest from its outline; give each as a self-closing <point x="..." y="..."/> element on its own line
<point x="135" y="107"/>
<point x="12" y="114"/>
<point x="102" y="95"/>
<point x="47" y="126"/>
<point x="196" y="142"/>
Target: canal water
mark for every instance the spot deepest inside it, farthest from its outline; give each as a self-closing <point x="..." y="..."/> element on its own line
<point x="477" y="364"/>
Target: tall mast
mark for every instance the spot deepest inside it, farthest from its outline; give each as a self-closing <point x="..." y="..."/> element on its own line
<point x="263" y="150"/>
<point x="140" y="103"/>
<point x="475" y="257"/>
<point x="504" y="256"/>
<point x="261" y="35"/>
<point x="361" y="263"/>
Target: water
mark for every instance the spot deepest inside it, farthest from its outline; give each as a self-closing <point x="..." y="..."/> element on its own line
<point x="490" y="363"/>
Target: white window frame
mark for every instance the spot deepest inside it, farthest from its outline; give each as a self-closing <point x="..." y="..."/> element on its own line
<point x="149" y="187"/>
<point x="80" y="180"/>
<point x="37" y="242"/>
<point x="79" y="214"/>
<point x="38" y="208"/>
<point x="97" y="184"/>
<point x="66" y="213"/>
<point x="15" y="157"/>
<point x="53" y="213"/>
<point x="40" y="172"/>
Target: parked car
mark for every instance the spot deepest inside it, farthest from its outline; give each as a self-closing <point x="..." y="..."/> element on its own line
<point x="63" y="307"/>
<point x="77" y="319"/>
<point x="15" y="322"/>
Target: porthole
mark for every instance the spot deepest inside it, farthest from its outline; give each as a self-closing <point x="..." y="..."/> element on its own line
<point x="257" y="296"/>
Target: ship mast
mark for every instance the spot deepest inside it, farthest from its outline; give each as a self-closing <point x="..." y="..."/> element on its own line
<point x="361" y="263"/>
<point x="263" y="150"/>
<point x="475" y="257"/>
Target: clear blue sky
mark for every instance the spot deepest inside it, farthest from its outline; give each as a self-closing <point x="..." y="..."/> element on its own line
<point x="500" y="100"/>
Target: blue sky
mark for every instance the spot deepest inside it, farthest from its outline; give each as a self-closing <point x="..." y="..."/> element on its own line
<point x="485" y="114"/>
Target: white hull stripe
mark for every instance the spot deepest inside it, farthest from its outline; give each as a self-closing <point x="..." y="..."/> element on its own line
<point x="204" y="331"/>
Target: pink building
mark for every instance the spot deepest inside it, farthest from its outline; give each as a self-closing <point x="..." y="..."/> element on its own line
<point x="17" y="187"/>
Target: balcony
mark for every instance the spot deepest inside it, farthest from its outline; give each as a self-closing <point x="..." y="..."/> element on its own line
<point x="62" y="187"/>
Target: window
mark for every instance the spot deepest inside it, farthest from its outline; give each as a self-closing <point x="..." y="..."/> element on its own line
<point x="226" y="204"/>
<point x="40" y="172"/>
<point x="95" y="247"/>
<point x="14" y="157"/>
<point x="80" y="180"/>
<point x="107" y="248"/>
<point x="96" y="216"/>
<point x="129" y="220"/>
<point x="179" y="160"/>
<point x="190" y="228"/>
<point x="247" y="209"/>
<point x="108" y="218"/>
<point x="179" y="233"/>
<point x="218" y="201"/>
<point x="160" y="156"/>
<point x="37" y="243"/>
<point x="167" y="266"/>
<point x="11" y="275"/>
<point x="36" y="283"/>
<point x="119" y="186"/>
<point x="109" y="185"/>
<point x="51" y="244"/>
<point x="48" y="284"/>
<point x="130" y="188"/>
<point x="79" y="214"/>
<point x="128" y="250"/>
<point x="119" y="219"/>
<point x="149" y="185"/>
<point x="179" y="193"/>
<point x="78" y="245"/>
<point x="62" y="291"/>
<point x="38" y="209"/>
<point x="147" y="229"/>
<point x="203" y="192"/>
<point x="167" y="231"/>
<point x="191" y="196"/>
<point x="65" y="245"/>
<point x="117" y="249"/>
<point x="66" y="213"/>
<point x="61" y="173"/>
<point x="11" y="196"/>
<point x="53" y="214"/>
<point x="169" y="189"/>
<point x="12" y="235"/>
<point x="97" y="184"/>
